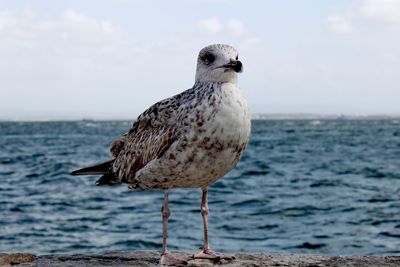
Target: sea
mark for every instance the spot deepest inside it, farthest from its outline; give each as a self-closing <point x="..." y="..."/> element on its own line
<point x="328" y="186"/>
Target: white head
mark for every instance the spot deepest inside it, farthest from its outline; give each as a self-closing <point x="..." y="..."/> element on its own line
<point x="218" y="63"/>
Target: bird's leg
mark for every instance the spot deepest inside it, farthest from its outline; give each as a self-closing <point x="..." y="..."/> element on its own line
<point x="207" y="252"/>
<point x="165" y="211"/>
<point x="166" y="257"/>
<point x="204" y="214"/>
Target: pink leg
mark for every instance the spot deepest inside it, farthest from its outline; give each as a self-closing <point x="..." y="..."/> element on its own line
<point x="166" y="257"/>
<point x="207" y="252"/>
<point x="165" y="215"/>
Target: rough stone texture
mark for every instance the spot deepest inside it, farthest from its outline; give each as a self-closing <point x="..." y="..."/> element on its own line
<point x="15" y="259"/>
<point x="150" y="258"/>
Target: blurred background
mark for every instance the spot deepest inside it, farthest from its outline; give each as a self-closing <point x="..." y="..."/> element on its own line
<point x="321" y="173"/>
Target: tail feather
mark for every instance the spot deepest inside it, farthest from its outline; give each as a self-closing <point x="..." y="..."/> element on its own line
<point x="101" y="168"/>
<point x="109" y="178"/>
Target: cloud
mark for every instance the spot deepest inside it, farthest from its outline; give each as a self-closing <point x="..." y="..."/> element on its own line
<point x="235" y="26"/>
<point x="47" y="63"/>
<point x="215" y="25"/>
<point x="70" y="29"/>
<point x="211" y="25"/>
<point x="340" y="24"/>
<point x="387" y="11"/>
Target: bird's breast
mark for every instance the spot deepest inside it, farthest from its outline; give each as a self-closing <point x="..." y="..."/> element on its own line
<point x="232" y="114"/>
<point x="222" y="130"/>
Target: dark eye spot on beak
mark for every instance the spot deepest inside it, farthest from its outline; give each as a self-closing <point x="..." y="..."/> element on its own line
<point x="238" y="66"/>
<point x="235" y="65"/>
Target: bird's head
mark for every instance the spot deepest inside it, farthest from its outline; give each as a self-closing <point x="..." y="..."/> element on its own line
<point x="218" y="63"/>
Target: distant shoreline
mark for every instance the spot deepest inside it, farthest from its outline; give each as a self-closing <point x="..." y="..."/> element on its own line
<point x="304" y="116"/>
<point x="272" y="116"/>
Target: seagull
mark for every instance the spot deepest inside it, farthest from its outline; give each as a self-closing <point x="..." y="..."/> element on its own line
<point x="189" y="140"/>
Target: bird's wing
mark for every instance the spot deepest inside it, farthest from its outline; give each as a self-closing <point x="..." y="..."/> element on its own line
<point x="118" y="145"/>
<point x="154" y="131"/>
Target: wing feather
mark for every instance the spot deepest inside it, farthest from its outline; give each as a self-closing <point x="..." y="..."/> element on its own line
<point x="151" y="135"/>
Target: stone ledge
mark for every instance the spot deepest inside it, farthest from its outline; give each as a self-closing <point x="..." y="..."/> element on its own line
<point x="150" y="258"/>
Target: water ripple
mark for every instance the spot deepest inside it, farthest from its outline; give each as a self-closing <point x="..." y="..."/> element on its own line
<point x="326" y="186"/>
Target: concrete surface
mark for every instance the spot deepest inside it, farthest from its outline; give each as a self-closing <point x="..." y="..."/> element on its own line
<point x="150" y="258"/>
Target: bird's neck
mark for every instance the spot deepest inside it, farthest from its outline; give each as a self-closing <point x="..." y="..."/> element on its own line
<point x="211" y="84"/>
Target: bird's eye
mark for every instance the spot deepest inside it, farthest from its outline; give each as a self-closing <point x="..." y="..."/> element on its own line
<point x="208" y="58"/>
<point x="237" y="57"/>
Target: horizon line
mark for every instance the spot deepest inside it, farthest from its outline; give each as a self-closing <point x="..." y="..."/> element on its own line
<point x="255" y="116"/>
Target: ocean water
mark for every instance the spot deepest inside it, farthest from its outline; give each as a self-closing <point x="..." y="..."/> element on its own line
<point x="327" y="187"/>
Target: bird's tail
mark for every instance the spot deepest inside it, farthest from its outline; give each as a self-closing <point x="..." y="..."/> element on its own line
<point x="101" y="168"/>
<point x="105" y="168"/>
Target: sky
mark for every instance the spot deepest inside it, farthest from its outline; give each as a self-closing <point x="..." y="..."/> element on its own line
<point x="112" y="59"/>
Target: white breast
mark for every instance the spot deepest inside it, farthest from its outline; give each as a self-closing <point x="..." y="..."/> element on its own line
<point x="233" y="114"/>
